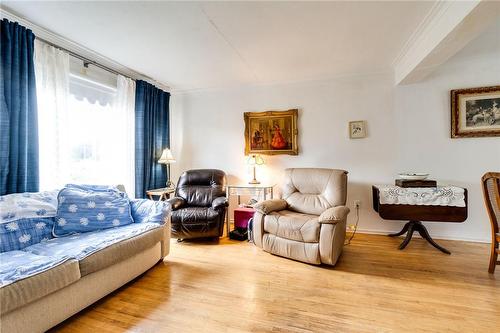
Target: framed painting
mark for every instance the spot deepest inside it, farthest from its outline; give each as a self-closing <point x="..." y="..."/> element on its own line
<point x="271" y="132"/>
<point x="475" y="112"/>
<point x="357" y="129"/>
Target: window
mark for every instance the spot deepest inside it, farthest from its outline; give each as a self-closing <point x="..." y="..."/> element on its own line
<point x="95" y="131"/>
<point x="86" y="129"/>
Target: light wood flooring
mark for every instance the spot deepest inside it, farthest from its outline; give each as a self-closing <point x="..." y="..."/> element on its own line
<point x="236" y="287"/>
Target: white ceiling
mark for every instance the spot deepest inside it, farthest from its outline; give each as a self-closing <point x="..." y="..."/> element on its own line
<point x="197" y="45"/>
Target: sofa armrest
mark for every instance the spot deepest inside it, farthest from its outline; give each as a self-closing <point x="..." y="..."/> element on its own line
<point x="334" y="215"/>
<point x="176" y="202"/>
<point x="220" y="202"/>
<point x="269" y="206"/>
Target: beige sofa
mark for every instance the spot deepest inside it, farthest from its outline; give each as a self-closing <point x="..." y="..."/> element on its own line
<point x="309" y="223"/>
<point x="40" y="302"/>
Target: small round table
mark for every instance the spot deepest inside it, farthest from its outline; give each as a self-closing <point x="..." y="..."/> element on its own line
<point x="161" y="193"/>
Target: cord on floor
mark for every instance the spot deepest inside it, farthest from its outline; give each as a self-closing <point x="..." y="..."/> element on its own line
<point x="355" y="227"/>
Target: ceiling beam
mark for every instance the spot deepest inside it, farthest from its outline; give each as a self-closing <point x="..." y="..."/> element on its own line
<point x="448" y="27"/>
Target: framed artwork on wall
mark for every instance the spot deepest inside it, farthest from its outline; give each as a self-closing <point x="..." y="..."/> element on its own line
<point x="357" y="129"/>
<point x="271" y="132"/>
<point x="475" y="112"/>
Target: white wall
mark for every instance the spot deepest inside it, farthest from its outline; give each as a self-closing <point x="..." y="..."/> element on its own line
<point x="408" y="129"/>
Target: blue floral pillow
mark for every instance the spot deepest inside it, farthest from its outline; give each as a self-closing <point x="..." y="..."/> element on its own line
<point x="83" y="209"/>
<point x="18" y="234"/>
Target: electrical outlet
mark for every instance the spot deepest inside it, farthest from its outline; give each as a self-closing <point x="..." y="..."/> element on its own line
<point x="357" y="203"/>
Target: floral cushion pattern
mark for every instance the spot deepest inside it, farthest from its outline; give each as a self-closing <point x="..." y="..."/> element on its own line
<point x="83" y="210"/>
<point x="17" y="265"/>
<point x="144" y="210"/>
<point x="16" y="235"/>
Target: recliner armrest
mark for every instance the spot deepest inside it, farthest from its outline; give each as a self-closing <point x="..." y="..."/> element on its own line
<point x="334" y="214"/>
<point x="176" y="202"/>
<point x="269" y="206"/>
<point x="220" y="202"/>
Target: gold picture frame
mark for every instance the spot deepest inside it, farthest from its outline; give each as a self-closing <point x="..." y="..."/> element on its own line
<point x="475" y="112"/>
<point x="271" y="132"/>
<point x="357" y="129"/>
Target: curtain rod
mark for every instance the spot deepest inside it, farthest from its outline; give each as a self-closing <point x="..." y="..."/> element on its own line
<point x="49" y="35"/>
<point x="87" y="60"/>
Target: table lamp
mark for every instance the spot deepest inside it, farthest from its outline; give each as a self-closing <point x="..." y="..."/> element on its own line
<point x="254" y="160"/>
<point x="167" y="158"/>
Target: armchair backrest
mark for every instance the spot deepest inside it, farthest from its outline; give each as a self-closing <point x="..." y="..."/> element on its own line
<point x="314" y="190"/>
<point x="200" y="187"/>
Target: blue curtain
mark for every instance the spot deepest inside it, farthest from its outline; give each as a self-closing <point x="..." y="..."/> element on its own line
<point x="18" y="114"/>
<point x="151" y="136"/>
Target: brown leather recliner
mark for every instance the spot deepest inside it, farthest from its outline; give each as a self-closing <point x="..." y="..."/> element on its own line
<point x="309" y="222"/>
<point x="200" y="204"/>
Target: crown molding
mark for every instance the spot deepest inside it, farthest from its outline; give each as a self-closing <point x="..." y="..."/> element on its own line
<point x="437" y="10"/>
<point x="342" y="77"/>
<point x="72" y="46"/>
<point x="441" y="34"/>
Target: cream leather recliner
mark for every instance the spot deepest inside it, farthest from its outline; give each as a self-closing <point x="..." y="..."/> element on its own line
<point x="309" y="222"/>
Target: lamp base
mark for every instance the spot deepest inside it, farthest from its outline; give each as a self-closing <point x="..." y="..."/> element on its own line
<point x="254" y="182"/>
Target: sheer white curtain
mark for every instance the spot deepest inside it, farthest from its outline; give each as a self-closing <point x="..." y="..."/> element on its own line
<point x="125" y="105"/>
<point x="86" y="122"/>
<point x="52" y="85"/>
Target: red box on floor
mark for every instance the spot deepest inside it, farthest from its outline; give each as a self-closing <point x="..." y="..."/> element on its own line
<point x="241" y="216"/>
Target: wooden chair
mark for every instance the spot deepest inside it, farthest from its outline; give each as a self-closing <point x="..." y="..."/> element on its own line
<point x="491" y="191"/>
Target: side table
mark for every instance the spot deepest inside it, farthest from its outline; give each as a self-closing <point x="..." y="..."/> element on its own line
<point x="246" y="189"/>
<point x="161" y="193"/>
<point x="415" y="214"/>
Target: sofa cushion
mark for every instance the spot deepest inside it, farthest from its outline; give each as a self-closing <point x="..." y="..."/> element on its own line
<point x="18" y="234"/>
<point x="120" y="251"/>
<point x="294" y="226"/>
<point x="17" y="265"/>
<point x="80" y="246"/>
<point x="31" y="288"/>
<point x="84" y="210"/>
<point x="194" y="215"/>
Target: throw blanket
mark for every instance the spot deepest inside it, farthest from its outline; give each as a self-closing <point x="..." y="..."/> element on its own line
<point x="28" y="205"/>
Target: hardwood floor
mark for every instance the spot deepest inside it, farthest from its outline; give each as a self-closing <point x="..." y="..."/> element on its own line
<point x="236" y="287"/>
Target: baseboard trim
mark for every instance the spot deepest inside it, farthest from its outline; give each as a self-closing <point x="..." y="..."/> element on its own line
<point x="434" y="236"/>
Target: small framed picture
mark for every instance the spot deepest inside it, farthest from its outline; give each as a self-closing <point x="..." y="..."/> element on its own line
<point x="475" y="112"/>
<point x="357" y="129"/>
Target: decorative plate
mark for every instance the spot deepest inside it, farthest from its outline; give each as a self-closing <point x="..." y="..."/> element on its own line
<point x="413" y="175"/>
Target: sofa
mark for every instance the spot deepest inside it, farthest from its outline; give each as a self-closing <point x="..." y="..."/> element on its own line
<point x="200" y="204"/>
<point x="308" y="223"/>
<point x="49" y="279"/>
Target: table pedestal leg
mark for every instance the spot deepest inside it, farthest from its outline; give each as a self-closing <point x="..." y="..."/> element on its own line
<point x="413" y="226"/>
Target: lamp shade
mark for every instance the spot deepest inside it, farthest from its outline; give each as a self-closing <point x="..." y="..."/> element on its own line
<point x="255" y="160"/>
<point x="166" y="157"/>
